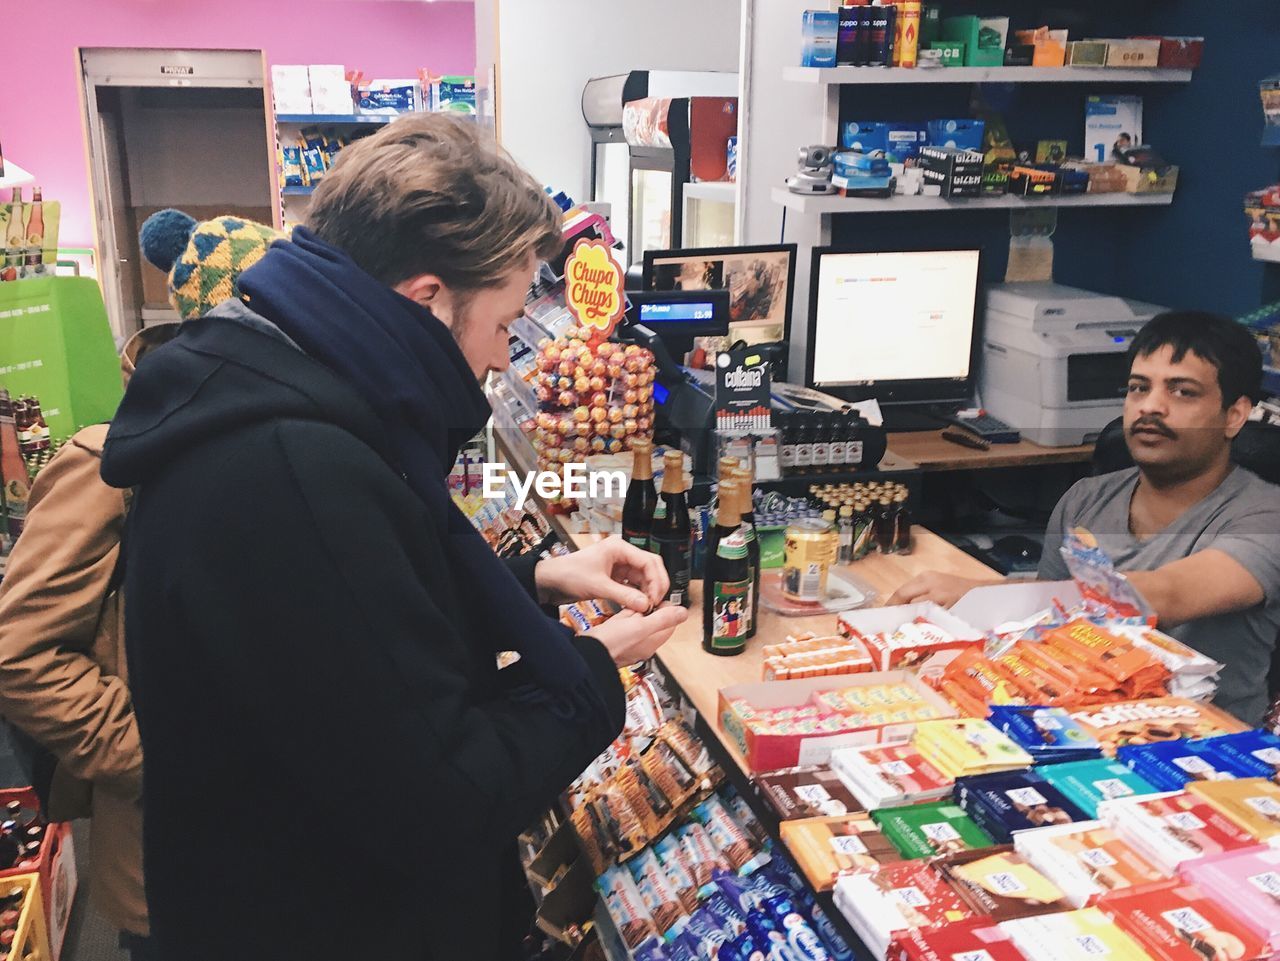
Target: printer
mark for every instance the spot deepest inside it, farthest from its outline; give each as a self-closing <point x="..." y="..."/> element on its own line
<point x="1055" y="359"/>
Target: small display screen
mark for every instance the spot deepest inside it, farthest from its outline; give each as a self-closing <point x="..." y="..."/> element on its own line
<point x="676" y="313"/>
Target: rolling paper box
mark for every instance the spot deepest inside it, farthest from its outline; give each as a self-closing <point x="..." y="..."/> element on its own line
<point x="1086" y="53"/>
<point x="1130" y="53"/>
<point x="1149" y="180"/>
<point x="984" y="38"/>
<point x="955" y="173"/>
<point x="767" y="752"/>
<point x="1179" y="53"/>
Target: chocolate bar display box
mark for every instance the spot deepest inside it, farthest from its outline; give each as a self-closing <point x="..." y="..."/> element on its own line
<point x="871" y="622"/>
<point x="807" y="742"/>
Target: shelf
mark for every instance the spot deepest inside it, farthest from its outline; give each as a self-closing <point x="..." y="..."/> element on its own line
<point x="901" y="75"/>
<point x="15" y="176"/>
<point x="724" y="193"/>
<point x="1267" y="253"/>
<point x="339" y="117"/>
<point x="835" y="204"/>
<point x="297" y="191"/>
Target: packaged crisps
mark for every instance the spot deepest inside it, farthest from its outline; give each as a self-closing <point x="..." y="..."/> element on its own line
<point x="1084" y="935"/>
<point x="1153" y="720"/>
<point x="742" y="853"/>
<point x="292" y="171"/>
<point x="1258" y="752"/>
<point x="701" y="857"/>
<point x="806" y="792"/>
<point x="1084" y="859"/>
<point x="888" y="774"/>
<point x="965" y="746"/>
<point x="625" y="906"/>
<point x="1248" y="882"/>
<point x="927" y="830"/>
<point x="1088" y="783"/>
<point x="1172" y="764"/>
<point x="1253" y="803"/>
<point x="975" y="940"/>
<point x="1175" y="921"/>
<point x="658" y="894"/>
<point x="825" y="848"/>
<point x="999" y="883"/>
<point x="1004" y="803"/>
<point x="1046" y="733"/>
<point x="899" y="896"/>
<point x="1168" y="829"/>
<point x="674" y="863"/>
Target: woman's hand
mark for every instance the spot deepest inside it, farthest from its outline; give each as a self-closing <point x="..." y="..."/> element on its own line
<point x="610" y="570"/>
<point x="631" y="637"/>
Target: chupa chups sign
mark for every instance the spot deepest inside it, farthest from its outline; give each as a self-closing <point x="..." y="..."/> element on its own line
<point x="594" y="289"/>
<point x="742" y="390"/>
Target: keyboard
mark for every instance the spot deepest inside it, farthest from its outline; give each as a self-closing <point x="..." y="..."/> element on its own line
<point x="984" y="425"/>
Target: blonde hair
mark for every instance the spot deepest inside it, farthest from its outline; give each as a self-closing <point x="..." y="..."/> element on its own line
<point x="430" y="194"/>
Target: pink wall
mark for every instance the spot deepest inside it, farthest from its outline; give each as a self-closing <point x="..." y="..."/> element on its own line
<point x="43" y="131"/>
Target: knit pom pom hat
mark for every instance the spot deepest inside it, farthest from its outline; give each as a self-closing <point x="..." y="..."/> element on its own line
<point x="203" y="260"/>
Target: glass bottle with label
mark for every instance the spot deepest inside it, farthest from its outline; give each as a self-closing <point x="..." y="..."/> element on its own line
<point x="748" y="523"/>
<point x="671" y="532"/>
<point x="726" y="585"/>
<point x="787" y="452"/>
<point x="804" y="444"/>
<point x="846" y="534"/>
<point x="883" y="512"/>
<point x="820" y="449"/>
<point x="728" y="488"/>
<point x="39" y="429"/>
<point x="13" y="471"/>
<point x="637" y="509"/>
<point x="838" y="449"/>
<point x="901" y="524"/>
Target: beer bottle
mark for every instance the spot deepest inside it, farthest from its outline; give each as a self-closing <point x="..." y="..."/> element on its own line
<point x="13" y="471"/>
<point x="787" y="453"/>
<point x="637" y="509"/>
<point x="671" y="531"/>
<point x="748" y="523"/>
<point x="725" y="467"/>
<point x="846" y="534"/>
<point x="727" y="490"/>
<point x="901" y="524"/>
<point x="820" y="449"/>
<point x="864" y="536"/>
<point x="35" y="232"/>
<point x="15" y="239"/>
<point x="884" y="525"/>
<point x="39" y="429"/>
<point x="804" y="444"/>
<point x="726" y="584"/>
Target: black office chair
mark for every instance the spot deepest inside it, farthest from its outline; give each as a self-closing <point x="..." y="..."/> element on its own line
<point x="1256" y="448"/>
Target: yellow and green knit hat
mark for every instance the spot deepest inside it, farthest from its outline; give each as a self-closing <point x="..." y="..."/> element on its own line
<point x="203" y="260"/>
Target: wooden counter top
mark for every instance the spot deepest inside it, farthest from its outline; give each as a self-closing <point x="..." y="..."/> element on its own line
<point x="929" y="452"/>
<point x="701" y="675"/>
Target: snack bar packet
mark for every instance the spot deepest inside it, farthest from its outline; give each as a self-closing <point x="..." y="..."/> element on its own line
<point x="743" y="854"/>
<point x="675" y="864"/>
<point x="660" y="898"/>
<point x="625" y="906"/>
<point x="701" y="857"/>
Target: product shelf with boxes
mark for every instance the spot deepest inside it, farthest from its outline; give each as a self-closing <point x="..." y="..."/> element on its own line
<point x="835" y="204"/>
<point x="956" y="75"/>
<point x="337" y="118"/>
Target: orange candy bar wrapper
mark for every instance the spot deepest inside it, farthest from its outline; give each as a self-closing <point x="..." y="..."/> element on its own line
<point x="1135" y="672"/>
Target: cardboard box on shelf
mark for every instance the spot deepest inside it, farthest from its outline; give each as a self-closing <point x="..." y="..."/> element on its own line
<point x="1086" y="53"/>
<point x="1050" y="46"/>
<point x="984" y="38"/>
<point x="330" y="91"/>
<point x="291" y="88"/>
<point x="1149" y="180"/>
<point x="1133" y="52"/>
<point x="1179" y="53"/>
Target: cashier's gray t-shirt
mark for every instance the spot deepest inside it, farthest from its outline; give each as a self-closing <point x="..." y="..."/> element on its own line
<point x="1241" y="518"/>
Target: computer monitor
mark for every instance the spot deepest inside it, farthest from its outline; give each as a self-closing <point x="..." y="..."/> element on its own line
<point x="759" y="281"/>
<point x="899" y="326"/>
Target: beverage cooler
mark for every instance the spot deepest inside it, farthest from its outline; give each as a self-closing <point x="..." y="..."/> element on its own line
<point x="653" y="133"/>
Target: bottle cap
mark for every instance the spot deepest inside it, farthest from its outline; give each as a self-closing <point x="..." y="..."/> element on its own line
<point x="846" y="511"/>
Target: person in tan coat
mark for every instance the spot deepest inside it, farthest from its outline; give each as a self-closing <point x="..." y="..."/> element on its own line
<point x="63" y="674"/>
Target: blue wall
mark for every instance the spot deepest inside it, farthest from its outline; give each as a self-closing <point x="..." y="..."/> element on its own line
<point x="1194" y="253"/>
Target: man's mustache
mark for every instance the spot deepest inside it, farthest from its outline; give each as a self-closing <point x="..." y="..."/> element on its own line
<point x="1152" y="423"/>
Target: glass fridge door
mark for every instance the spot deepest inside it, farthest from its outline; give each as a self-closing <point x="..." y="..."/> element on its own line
<point x="650" y="211"/>
<point x="613" y="163"/>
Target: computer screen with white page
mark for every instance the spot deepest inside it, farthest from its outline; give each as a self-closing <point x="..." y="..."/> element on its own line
<point x="887" y="318"/>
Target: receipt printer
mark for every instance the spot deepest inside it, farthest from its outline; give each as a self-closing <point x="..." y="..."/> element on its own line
<point x="1055" y="359"/>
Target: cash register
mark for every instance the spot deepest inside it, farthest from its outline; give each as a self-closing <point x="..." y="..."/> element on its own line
<point x="1055" y="359"/>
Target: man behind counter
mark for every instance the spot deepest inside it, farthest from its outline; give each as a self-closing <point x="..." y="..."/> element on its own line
<point x="1197" y="535"/>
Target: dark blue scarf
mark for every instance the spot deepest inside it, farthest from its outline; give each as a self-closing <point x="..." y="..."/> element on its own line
<point x="405" y="363"/>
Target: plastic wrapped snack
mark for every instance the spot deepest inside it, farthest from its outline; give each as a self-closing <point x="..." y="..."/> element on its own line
<point x="742" y="852"/>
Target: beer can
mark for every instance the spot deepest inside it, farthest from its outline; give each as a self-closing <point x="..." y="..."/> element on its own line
<point x="810" y="550"/>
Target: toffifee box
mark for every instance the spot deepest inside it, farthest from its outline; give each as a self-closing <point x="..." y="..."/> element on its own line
<point x="1153" y="720"/>
<point x="1085" y="859"/>
<point x="1176" y="921"/>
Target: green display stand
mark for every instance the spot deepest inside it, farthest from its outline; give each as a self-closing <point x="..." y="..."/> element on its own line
<point x="56" y="345"/>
